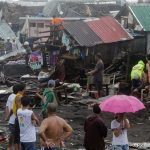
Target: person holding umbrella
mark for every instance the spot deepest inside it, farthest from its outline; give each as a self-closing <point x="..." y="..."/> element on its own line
<point x="119" y="105"/>
<point x="119" y="127"/>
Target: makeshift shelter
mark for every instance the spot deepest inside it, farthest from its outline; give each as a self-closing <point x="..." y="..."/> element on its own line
<point x="103" y="35"/>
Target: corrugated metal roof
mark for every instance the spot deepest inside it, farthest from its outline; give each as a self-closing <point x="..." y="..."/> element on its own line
<point x="109" y="30"/>
<point x="141" y="13"/>
<point x="82" y="33"/>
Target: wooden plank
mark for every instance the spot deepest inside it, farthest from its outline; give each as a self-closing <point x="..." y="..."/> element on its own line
<point x="68" y="96"/>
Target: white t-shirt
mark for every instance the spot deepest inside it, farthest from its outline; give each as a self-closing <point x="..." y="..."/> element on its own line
<point x="122" y="139"/>
<point x="27" y="129"/>
<point x="9" y="104"/>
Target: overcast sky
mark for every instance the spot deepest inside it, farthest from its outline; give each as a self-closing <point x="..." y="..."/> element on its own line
<point x="41" y="0"/>
<point x="49" y="0"/>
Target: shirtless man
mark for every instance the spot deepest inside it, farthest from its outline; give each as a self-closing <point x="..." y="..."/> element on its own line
<point x="54" y="130"/>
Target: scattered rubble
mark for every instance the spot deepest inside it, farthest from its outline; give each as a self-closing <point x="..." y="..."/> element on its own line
<point x="75" y="106"/>
<point x="12" y="12"/>
<point x="76" y="9"/>
<point x="143" y="145"/>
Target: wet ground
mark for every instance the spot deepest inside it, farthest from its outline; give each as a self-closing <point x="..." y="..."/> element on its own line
<point x="75" y="114"/>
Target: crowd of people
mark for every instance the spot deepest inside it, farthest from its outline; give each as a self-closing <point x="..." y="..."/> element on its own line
<point x="54" y="130"/>
<point x="22" y="121"/>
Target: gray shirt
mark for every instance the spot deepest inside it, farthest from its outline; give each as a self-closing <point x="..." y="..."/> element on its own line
<point x="98" y="76"/>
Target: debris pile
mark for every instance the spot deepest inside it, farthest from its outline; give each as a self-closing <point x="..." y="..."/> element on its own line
<point x="74" y="9"/>
<point x="12" y="12"/>
<point x="143" y="145"/>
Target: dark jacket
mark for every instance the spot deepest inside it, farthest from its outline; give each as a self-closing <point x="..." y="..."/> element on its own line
<point x="95" y="132"/>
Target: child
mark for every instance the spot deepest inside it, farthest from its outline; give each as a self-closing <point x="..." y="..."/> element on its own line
<point x="26" y="119"/>
<point x="48" y="96"/>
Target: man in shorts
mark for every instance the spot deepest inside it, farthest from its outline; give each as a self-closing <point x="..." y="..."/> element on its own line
<point x="98" y="74"/>
<point x="54" y="130"/>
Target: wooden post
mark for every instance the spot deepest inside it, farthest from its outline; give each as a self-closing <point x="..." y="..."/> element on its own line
<point x="128" y="62"/>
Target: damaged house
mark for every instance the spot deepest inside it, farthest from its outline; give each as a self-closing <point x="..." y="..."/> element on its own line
<point x="104" y="35"/>
<point x="69" y="11"/>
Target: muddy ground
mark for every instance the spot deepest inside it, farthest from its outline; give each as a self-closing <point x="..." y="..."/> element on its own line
<point x="75" y="115"/>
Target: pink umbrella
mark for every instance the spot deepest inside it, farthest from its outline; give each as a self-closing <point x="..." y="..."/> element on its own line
<point x="121" y="104"/>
